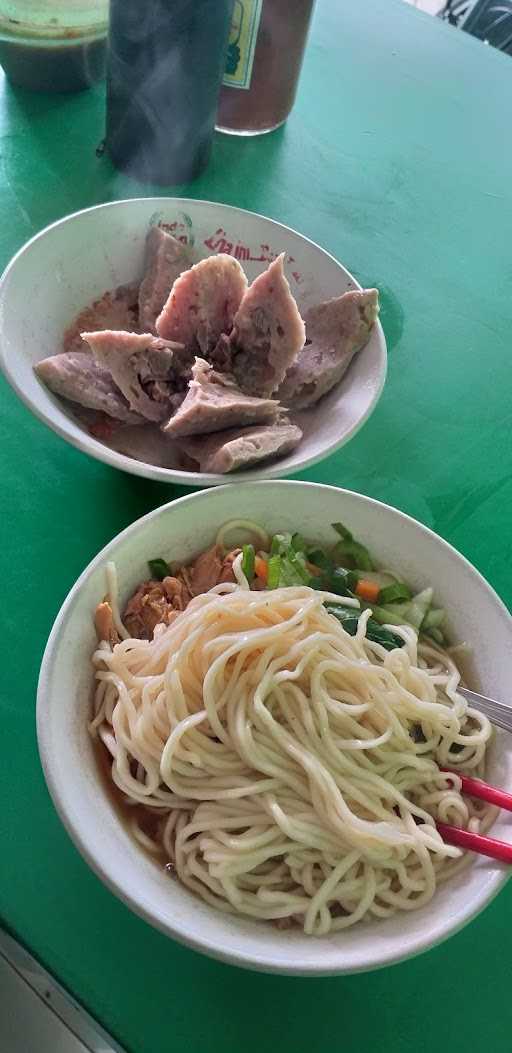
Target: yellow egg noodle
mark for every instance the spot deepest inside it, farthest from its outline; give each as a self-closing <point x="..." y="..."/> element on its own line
<point x="279" y="757"/>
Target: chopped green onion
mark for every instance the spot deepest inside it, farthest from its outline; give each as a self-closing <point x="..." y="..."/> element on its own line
<point x="298" y="543"/>
<point x="274" y="572"/>
<point x="159" y="569"/>
<point x="396" y="593"/>
<point x="342" y="531"/>
<point x="247" y="564"/>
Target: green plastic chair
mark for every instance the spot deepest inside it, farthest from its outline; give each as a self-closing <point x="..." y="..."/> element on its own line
<point x="489" y="20"/>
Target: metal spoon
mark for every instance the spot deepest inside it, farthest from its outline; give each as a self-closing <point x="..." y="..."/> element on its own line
<point x="497" y="712"/>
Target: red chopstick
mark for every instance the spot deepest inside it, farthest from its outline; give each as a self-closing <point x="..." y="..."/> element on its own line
<point x="485" y="846"/>
<point x="483" y="791"/>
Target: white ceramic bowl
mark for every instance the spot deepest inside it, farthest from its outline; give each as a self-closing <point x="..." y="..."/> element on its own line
<point x="178" y="531"/>
<point x="74" y="261"/>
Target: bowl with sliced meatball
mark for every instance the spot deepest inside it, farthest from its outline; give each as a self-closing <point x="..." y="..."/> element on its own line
<point x="189" y="341"/>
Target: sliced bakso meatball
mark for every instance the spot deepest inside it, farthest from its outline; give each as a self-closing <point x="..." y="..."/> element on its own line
<point x="225" y="451"/>
<point x="76" y="376"/>
<point x="166" y="258"/>
<point x="149" y="371"/>
<point x="268" y="332"/>
<point x="335" y="331"/>
<point x="203" y="302"/>
<point x="117" y="309"/>
<point x="214" y="402"/>
<point x="221" y="358"/>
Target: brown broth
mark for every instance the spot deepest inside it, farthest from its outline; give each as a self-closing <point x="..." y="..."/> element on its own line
<point x="146" y="817"/>
<point x="54" y="68"/>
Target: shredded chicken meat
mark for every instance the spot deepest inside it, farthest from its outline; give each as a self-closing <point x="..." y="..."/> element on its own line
<point x="104" y="623"/>
<point x="159" y="602"/>
<point x="154" y="603"/>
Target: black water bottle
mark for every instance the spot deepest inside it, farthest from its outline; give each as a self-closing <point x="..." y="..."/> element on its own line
<point x="165" y="65"/>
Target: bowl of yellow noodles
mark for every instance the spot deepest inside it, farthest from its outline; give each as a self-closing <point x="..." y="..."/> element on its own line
<point x="248" y="710"/>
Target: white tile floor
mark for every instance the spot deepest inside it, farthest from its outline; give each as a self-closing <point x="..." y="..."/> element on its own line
<point x="26" y="1025"/>
<point x="37" y="1015"/>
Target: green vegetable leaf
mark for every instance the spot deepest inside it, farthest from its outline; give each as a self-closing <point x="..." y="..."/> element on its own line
<point x="349" y="619"/>
<point x="159" y="569"/>
<point x="389" y="615"/>
<point x="318" y="557"/>
<point x="342" y="582"/>
<point x="294" y="570"/>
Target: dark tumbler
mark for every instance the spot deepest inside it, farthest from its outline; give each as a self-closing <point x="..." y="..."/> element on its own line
<point x="165" y="64"/>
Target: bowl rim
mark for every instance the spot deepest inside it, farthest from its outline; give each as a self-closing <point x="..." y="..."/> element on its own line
<point x="90" y="446"/>
<point x="417" y="944"/>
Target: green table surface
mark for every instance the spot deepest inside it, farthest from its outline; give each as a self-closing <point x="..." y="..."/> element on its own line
<point x="398" y="159"/>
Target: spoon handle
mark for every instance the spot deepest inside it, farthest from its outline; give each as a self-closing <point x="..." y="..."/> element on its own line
<point x="497" y="712"/>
